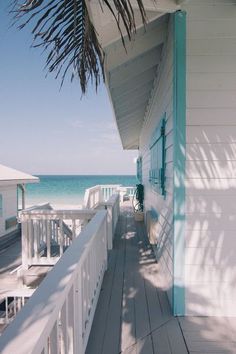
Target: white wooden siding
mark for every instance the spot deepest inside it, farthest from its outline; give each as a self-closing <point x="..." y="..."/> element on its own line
<point x="161" y="102"/>
<point x="210" y="263"/>
<point x="9" y="203"/>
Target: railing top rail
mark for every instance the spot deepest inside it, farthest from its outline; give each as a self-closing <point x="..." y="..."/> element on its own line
<point x="112" y="200"/>
<point x="46" y="206"/>
<point x="88" y="192"/>
<point x="26" y="334"/>
<point x="24" y="292"/>
<point x="110" y="185"/>
<point x="64" y="214"/>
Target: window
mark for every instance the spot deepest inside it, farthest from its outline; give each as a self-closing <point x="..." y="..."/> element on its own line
<point x="157" y="152"/>
<point x="10" y="222"/>
<point x="1" y="206"/>
<point x="139" y="169"/>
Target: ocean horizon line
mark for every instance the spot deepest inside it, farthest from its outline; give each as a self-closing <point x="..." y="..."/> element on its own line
<point x="84" y="175"/>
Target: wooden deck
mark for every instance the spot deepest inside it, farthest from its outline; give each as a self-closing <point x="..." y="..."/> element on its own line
<point x="10" y="262"/>
<point x="133" y="315"/>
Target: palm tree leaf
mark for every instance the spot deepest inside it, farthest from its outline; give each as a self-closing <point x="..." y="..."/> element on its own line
<point x="64" y="29"/>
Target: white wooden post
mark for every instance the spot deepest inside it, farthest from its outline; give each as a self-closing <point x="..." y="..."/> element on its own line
<point x="71" y="323"/>
<point x="109" y="227"/>
<point x="79" y="346"/>
<point x="54" y="340"/>
<point x="73" y="228"/>
<point x="61" y="234"/>
<point x="64" y="327"/>
<point x="24" y="243"/>
<point x="48" y="239"/>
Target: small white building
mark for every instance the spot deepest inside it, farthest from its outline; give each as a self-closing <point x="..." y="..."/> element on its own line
<point x="11" y="181"/>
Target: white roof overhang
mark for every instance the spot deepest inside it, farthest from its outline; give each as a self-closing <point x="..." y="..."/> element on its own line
<point x="131" y="71"/>
<point x="10" y="176"/>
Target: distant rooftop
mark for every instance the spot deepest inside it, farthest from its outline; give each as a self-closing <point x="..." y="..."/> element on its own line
<point x="11" y="176"/>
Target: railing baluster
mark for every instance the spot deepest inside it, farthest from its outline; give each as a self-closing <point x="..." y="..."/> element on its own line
<point x="61" y="236"/>
<point x="64" y="327"/>
<point x="53" y="340"/>
<point x="14" y="305"/>
<point x="34" y="229"/>
<point x="71" y="322"/>
<point x="48" y="239"/>
<point x="73" y="228"/>
<point x="78" y="319"/>
<point x="25" y="243"/>
<point x="6" y="309"/>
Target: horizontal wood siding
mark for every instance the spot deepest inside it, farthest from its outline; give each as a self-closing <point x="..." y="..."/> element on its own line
<point x="9" y="203"/>
<point x="210" y="262"/>
<point x="160" y="103"/>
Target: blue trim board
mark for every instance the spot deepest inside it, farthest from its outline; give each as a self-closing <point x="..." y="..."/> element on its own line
<point x="179" y="105"/>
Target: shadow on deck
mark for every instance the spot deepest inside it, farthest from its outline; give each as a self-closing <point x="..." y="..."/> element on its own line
<point x="133" y="315"/>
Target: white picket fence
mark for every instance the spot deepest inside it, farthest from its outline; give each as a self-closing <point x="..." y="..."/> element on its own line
<point x="58" y="317"/>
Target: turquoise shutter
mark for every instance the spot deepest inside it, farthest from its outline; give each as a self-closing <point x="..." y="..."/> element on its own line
<point x="157" y="151"/>
<point x="139" y="169"/>
<point x="1" y="205"/>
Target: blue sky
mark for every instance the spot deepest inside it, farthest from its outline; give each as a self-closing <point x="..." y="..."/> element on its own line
<point x="45" y="130"/>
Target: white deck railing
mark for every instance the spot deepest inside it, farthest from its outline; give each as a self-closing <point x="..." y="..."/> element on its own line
<point x="101" y="193"/>
<point x="93" y="196"/>
<point x="58" y="317"/>
<point x="46" y="233"/>
<point x="113" y="211"/>
<point x="11" y="302"/>
<point x="108" y="190"/>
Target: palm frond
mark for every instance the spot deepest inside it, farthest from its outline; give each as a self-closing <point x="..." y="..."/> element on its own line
<point x="64" y="29"/>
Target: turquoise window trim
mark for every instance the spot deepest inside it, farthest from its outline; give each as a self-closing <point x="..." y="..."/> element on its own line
<point x="139" y="165"/>
<point x="179" y="105"/>
<point x="1" y="205"/>
<point x="157" y="152"/>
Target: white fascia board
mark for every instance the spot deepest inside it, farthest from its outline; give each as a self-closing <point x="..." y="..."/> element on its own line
<point x="113" y="111"/>
<point x="106" y="27"/>
<point x="18" y="181"/>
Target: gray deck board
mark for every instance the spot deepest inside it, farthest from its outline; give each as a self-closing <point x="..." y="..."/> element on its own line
<point x="133" y="315"/>
<point x="10" y="261"/>
<point x="161" y="341"/>
<point x="209" y="334"/>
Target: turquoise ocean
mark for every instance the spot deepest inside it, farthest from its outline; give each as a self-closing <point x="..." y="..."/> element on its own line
<point x="68" y="190"/>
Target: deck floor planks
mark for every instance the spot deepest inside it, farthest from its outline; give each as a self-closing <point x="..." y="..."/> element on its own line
<point x="132" y="313"/>
<point x="128" y="333"/>
<point x="95" y="345"/>
<point x="161" y="341"/>
<point x="142" y="319"/>
<point x="103" y="310"/>
<point x="111" y="342"/>
<point x="209" y="334"/>
<point x="138" y="318"/>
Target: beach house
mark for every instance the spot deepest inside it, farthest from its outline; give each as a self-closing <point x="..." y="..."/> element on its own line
<point x="12" y="193"/>
<point x="173" y="91"/>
